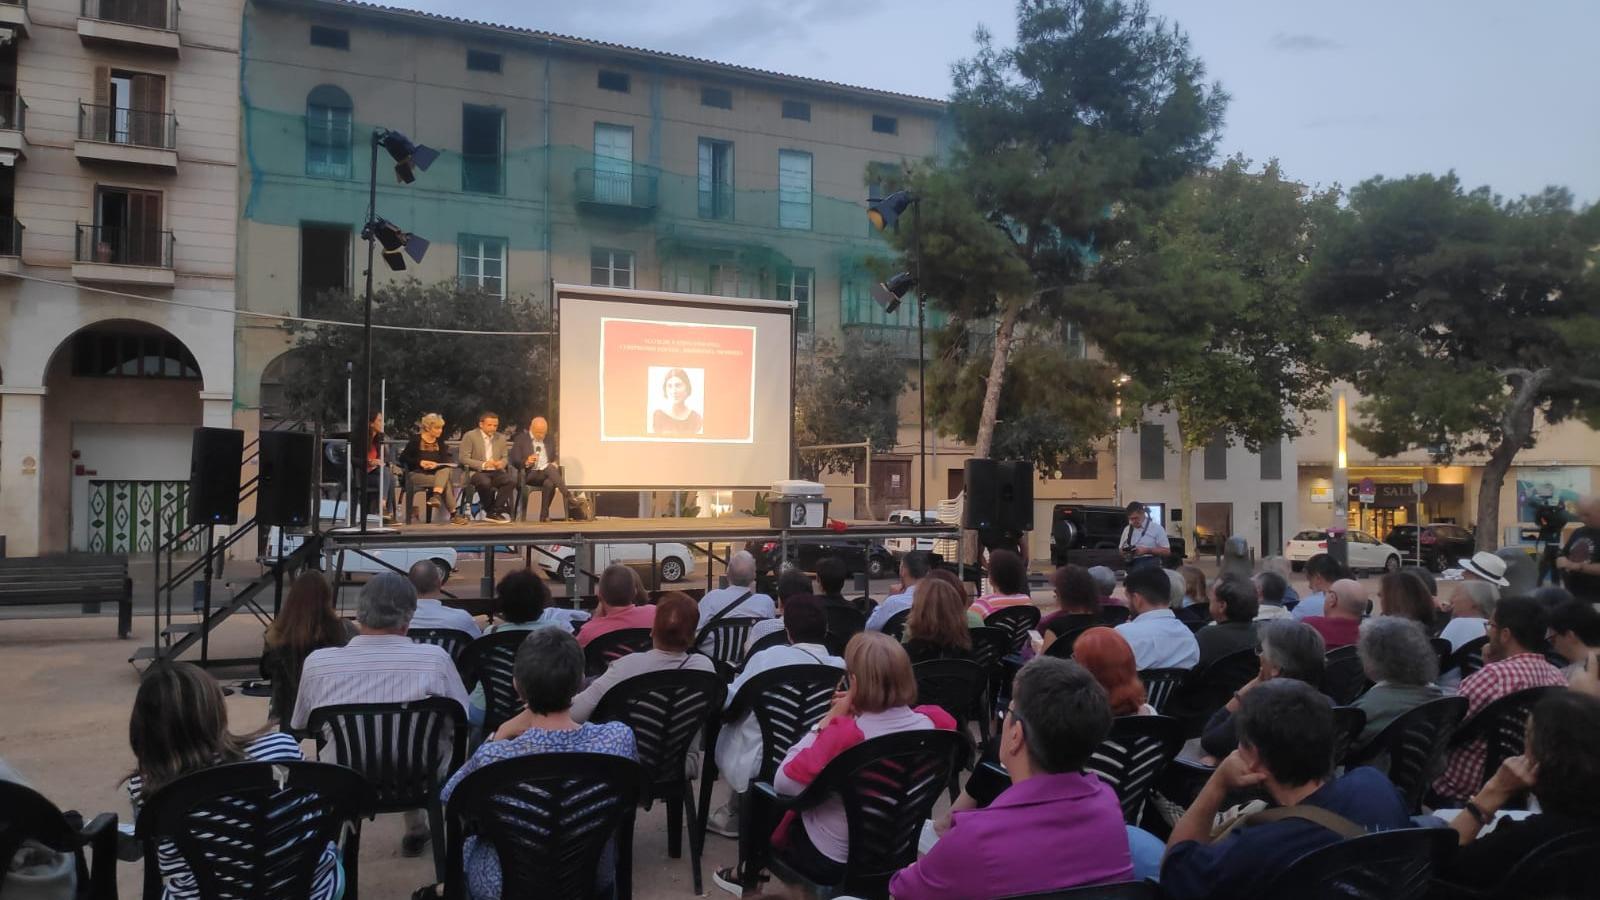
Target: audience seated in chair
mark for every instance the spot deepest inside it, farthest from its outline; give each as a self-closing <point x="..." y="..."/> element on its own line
<point x="381" y="665"/>
<point x="1511" y="663"/>
<point x="306" y="621"/>
<point x="180" y="725"/>
<point x="1188" y="597"/>
<point x="1345" y="604"/>
<point x="792" y="583"/>
<point x="1559" y="767"/>
<point x="1471" y="605"/>
<point x="1397" y="658"/>
<point x="1008" y="584"/>
<point x="431" y="611"/>
<point x="1105" y="585"/>
<point x="1289" y="650"/>
<point x="618" y="593"/>
<point x="914" y="568"/>
<point x="937" y="626"/>
<point x="1574" y="634"/>
<point x="549" y="671"/>
<point x="671" y="639"/>
<point x="1058" y="716"/>
<point x="1406" y="595"/>
<point x="880" y="689"/>
<point x="832" y="573"/>
<point x="1272" y="593"/>
<point x="1233" y="607"/>
<point x="1286" y="741"/>
<point x="741" y="581"/>
<point x="738" y="750"/>
<point x="1158" y="639"/>
<point x="1077" y="601"/>
<point x="1322" y="571"/>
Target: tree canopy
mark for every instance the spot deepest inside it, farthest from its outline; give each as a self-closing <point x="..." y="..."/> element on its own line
<point x="846" y="393"/>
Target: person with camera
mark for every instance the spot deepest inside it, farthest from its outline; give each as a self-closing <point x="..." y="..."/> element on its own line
<point x="1580" y="570"/>
<point x="1144" y="542"/>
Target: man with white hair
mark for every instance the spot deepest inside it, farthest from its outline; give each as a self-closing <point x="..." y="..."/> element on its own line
<point x="1471" y="606"/>
<point x="1340" y="623"/>
<point x="1580" y="569"/>
<point x="739" y="598"/>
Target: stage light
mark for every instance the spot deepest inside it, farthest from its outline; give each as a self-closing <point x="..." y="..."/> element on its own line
<point x="883" y="213"/>
<point x="397" y="244"/>
<point x="407" y="156"/>
<point x="888" y="293"/>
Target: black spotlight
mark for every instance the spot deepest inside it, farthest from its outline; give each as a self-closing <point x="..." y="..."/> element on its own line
<point x="885" y="212"/>
<point x="888" y="293"/>
<point x="397" y="244"/>
<point x="408" y="157"/>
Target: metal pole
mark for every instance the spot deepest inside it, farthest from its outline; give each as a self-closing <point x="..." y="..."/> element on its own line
<point x="1337" y="547"/>
<point x="205" y="592"/>
<point x="366" y="336"/>
<point x="922" y="363"/>
<point x="155" y="597"/>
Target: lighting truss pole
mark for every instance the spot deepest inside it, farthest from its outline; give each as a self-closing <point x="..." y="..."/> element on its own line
<point x="367" y="232"/>
<point x="922" y="363"/>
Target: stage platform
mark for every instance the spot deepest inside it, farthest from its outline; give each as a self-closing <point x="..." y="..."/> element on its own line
<point x="720" y="530"/>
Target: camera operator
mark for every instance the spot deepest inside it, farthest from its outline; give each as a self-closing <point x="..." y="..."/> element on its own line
<point x="1579" y="567"/>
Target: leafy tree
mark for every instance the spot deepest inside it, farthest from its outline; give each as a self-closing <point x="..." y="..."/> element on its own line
<point x="1477" y="317"/>
<point x="1066" y="143"/>
<point x="455" y="375"/>
<point x="846" y="393"/>
<point x="1203" y="311"/>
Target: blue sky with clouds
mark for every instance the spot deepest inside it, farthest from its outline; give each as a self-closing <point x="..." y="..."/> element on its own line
<point x="1505" y="94"/>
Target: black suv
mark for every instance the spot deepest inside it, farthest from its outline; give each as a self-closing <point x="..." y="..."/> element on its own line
<point x="1442" y="544"/>
<point x="877" y="561"/>
<point x="1087" y="536"/>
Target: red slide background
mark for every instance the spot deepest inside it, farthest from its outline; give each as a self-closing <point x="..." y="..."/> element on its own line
<point x="631" y="347"/>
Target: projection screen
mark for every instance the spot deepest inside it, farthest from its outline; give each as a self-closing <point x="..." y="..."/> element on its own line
<point x="662" y="390"/>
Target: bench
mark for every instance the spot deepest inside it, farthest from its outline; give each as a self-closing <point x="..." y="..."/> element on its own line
<point x="87" y="579"/>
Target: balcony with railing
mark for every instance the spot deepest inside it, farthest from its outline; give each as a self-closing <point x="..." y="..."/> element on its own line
<point x="142" y="24"/>
<point x="133" y="137"/>
<point x="14" y="16"/>
<point x="13" y="122"/>
<point x="631" y="192"/>
<point x="10" y="243"/>
<point x="123" y="255"/>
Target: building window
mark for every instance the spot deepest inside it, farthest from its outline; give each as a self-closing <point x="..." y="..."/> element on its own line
<point x="481" y="146"/>
<point x="613" y="164"/>
<point x="1272" y="461"/>
<point x="716" y="179"/>
<point x="120" y="354"/>
<point x="1216" y="458"/>
<point x="614" y="81"/>
<point x="794" y="189"/>
<point x="1082" y="470"/>
<point x="728" y="280"/>
<point x="127" y="230"/>
<point x="324" y="265"/>
<point x="611" y="268"/>
<point x="482" y="264"/>
<point x="332" y="38"/>
<point x="721" y="98"/>
<point x="797" y="286"/>
<point x="797" y="109"/>
<point x="886" y="124"/>
<point x="1152" y="452"/>
<point x="129" y="108"/>
<point x="328" y="118"/>
<point x="483" y="61"/>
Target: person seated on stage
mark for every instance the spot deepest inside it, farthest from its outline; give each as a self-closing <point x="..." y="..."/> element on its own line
<point x="431" y="611"/>
<point x="1058" y="716"/>
<point x="377" y="478"/>
<point x="1345" y="603"/>
<point x="533" y="453"/>
<point x="738" y="751"/>
<point x="832" y="574"/>
<point x="914" y="567"/>
<point x="1286" y="743"/>
<point x="1008" y="584"/>
<point x="671" y="639"/>
<point x="307" y="621"/>
<point x="487" y="455"/>
<point x="792" y="583"/>
<point x="739" y="597"/>
<point x="617" y="592"/>
<point x="937" y="627"/>
<point x="428" y="464"/>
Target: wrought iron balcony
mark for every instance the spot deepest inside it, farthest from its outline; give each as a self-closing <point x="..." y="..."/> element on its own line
<point x="10" y="236"/>
<point x="159" y="14"/>
<point x="618" y="190"/>
<point x="133" y="127"/>
<point x="116" y="245"/>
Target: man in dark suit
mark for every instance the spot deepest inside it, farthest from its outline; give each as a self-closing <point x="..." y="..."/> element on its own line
<point x="534" y="455"/>
<point x="486" y="454"/>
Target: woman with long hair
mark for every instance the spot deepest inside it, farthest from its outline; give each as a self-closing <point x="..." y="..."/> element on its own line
<point x="180" y="725"/>
<point x="937" y="626"/>
<point x="306" y="621"/>
<point x="677" y="417"/>
<point x="1008" y="584"/>
<point x="1405" y="595"/>
<point x="1109" y="658"/>
<point x="1078" y="602"/>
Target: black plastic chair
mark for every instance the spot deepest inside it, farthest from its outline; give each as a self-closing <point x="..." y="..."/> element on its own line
<point x="1122" y="890"/>
<point x="600" y="653"/>
<point x="1347" y="724"/>
<point x="256" y="829"/>
<point x="1468" y="659"/>
<point x="990" y="647"/>
<point x="896" y="626"/>
<point x="888" y="786"/>
<point x="25" y="815"/>
<point x="490" y="663"/>
<point x="1160" y="685"/>
<point x="1134" y="755"/>
<point x="1388" y="865"/>
<point x="1559" y="868"/>
<point x="778" y="638"/>
<point x="843" y="624"/>
<point x="1206" y="690"/>
<point x="1343" y="678"/>
<point x="1411" y="749"/>
<point x="1443" y="649"/>
<point x="548" y="816"/>
<point x="1114" y="615"/>
<point x="1503" y="727"/>
<point x="956" y="685"/>
<point x="1016" y="622"/>
<point x="454" y="641"/>
<point x="405" y="751"/>
<point x="667" y="710"/>
<point x="1061" y="647"/>
<point x="724" y="642"/>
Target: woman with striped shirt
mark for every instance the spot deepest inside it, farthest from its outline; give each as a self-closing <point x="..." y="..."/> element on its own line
<point x="180" y="725"/>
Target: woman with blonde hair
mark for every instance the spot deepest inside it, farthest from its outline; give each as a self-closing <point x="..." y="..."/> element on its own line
<point x="428" y="464"/>
<point x="937" y="626"/>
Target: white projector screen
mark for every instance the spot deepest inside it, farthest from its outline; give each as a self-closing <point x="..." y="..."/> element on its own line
<point x="662" y="390"/>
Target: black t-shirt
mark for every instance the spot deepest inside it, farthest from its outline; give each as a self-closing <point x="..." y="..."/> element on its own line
<point x="1582" y="584"/>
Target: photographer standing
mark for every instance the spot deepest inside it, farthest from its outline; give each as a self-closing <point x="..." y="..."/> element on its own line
<point x="1580" y="569"/>
<point x="1144" y="542"/>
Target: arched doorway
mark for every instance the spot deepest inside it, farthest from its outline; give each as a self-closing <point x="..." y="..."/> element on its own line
<point x="121" y="404"/>
<point x="275" y="407"/>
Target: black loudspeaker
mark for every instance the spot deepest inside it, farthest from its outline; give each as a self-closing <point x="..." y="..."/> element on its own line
<point x="214" y="462"/>
<point x="283" y="494"/>
<point x="1014" y="500"/>
<point x="981" y="477"/>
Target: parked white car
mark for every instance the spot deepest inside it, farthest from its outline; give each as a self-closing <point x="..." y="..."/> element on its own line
<point x="900" y="546"/>
<point x="401" y="558"/>
<point x="674" y="562"/>
<point x="1366" y="553"/>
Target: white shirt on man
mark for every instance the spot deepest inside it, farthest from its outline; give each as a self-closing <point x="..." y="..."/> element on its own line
<point x="891" y="606"/>
<point x="1458" y="631"/>
<point x="738" y="751"/>
<point x="1312" y="604"/>
<point x="1150" y="534"/>
<point x="540" y="458"/>
<point x="757" y="606"/>
<point x="376" y="668"/>
<point x="488" y="445"/>
<point x="432" y="613"/>
<point x="1160" y="641"/>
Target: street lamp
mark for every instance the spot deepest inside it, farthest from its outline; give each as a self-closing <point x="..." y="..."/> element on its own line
<point x="884" y="213"/>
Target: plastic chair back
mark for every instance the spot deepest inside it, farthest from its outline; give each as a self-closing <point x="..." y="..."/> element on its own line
<point x="600" y="653"/>
<point x="1412" y="748"/>
<point x="896" y="626"/>
<point x="1343" y="678"/>
<point x="490" y="662"/>
<point x="1161" y="684"/>
<point x="405" y="751"/>
<point x="1388" y="865"/>
<point x="454" y="641"/>
<point x="666" y="711"/>
<point x="786" y="702"/>
<point x="1015" y="621"/>
<point x="956" y="685"/>
<point x="1503" y="725"/>
<point x="775" y="639"/>
<point x="724" y="642"/>
<point x="1134" y="755"/>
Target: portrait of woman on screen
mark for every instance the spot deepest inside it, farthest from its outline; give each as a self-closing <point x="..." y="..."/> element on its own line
<point x="675" y="413"/>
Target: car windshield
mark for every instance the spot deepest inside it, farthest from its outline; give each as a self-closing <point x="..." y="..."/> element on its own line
<point x="1311" y="536"/>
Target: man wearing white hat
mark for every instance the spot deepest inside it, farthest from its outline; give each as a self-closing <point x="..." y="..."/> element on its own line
<point x="1485" y="566"/>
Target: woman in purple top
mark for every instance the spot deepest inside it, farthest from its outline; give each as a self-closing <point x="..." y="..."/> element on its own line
<point x="1058" y="715"/>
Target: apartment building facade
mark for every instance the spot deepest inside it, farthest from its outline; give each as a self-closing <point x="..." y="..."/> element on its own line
<point x="118" y="182"/>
